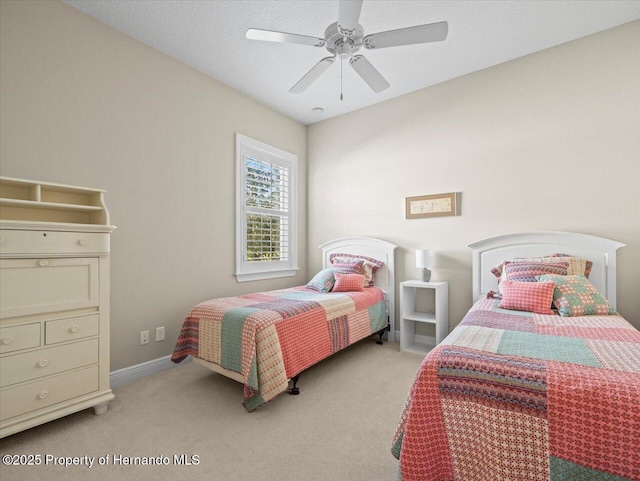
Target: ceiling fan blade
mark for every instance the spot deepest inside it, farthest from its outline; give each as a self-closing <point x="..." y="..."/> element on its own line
<point x="282" y="37"/>
<point x="312" y="75"/>
<point x="349" y="14"/>
<point x="369" y="74"/>
<point x="431" y="32"/>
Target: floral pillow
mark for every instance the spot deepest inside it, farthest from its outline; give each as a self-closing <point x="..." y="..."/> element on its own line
<point x="349" y="282"/>
<point x="528" y="296"/>
<point x="576" y="296"/>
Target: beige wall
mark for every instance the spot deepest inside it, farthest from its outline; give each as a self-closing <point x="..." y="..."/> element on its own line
<point x="550" y="141"/>
<point x="84" y="104"/>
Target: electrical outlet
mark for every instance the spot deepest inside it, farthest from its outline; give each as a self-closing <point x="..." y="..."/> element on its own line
<point x="159" y="333"/>
<point x="144" y="337"/>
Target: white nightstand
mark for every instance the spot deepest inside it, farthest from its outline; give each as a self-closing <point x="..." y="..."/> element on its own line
<point x="409" y="316"/>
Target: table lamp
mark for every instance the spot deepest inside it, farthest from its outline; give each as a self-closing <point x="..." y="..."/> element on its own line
<point x="424" y="260"/>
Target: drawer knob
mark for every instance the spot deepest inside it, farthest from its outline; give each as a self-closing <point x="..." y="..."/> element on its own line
<point x="43" y="363"/>
<point x="43" y="395"/>
<point x="83" y="242"/>
<point x="43" y="262"/>
<point x="2" y="241"/>
<point x="7" y="340"/>
<point x="74" y="329"/>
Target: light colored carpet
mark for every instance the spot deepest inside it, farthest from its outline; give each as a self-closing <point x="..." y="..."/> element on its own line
<point x="339" y="428"/>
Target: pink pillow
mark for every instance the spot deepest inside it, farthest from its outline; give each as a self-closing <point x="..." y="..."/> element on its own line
<point x="527" y="296"/>
<point x="348" y="282"/>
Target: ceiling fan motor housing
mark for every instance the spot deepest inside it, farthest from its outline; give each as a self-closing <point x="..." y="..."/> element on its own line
<point x="341" y="45"/>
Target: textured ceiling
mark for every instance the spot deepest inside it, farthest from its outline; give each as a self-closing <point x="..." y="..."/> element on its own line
<point x="209" y="35"/>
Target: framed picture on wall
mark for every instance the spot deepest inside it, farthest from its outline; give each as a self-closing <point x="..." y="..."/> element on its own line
<point x="435" y="205"/>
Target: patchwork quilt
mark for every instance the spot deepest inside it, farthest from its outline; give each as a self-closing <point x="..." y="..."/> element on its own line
<point x="512" y="395"/>
<point x="270" y="337"/>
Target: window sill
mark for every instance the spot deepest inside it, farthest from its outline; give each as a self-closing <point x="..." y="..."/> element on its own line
<point x="260" y="275"/>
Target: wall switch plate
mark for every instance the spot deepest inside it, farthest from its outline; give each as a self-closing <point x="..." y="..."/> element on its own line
<point x="159" y="333"/>
<point x="144" y="337"/>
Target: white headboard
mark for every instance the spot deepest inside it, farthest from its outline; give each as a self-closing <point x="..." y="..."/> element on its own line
<point x="377" y="249"/>
<point x="490" y="252"/>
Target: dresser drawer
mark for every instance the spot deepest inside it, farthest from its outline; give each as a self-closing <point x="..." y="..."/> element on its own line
<point x="44" y="362"/>
<point x="33" y="286"/>
<point x="69" y="329"/>
<point x="46" y="392"/>
<point x="19" y="337"/>
<point x="52" y="242"/>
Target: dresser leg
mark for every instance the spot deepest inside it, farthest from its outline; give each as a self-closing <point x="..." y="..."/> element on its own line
<point x="100" y="408"/>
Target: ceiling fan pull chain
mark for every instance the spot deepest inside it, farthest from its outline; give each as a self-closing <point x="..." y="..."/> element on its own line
<point x="341" y="60"/>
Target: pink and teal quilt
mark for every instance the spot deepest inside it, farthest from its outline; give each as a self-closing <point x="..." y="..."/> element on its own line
<point x="512" y="395"/>
<point x="270" y="337"/>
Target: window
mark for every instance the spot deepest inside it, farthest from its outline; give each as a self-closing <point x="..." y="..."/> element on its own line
<point x="266" y="185"/>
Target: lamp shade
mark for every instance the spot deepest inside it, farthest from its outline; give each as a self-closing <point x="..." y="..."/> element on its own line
<point x="424" y="259"/>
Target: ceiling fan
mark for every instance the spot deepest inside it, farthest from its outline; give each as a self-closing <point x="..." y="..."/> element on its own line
<point x="345" y="37"/>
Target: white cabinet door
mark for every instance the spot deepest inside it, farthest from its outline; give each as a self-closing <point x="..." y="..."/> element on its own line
<point x="33" y="286"/>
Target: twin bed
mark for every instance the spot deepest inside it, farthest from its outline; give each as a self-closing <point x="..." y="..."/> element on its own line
<point x="508" y="395"/>
<point x="265" y="340"/>
<point x="517" y="395"/>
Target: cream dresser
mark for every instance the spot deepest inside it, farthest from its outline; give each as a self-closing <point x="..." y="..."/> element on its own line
<point x="54" y="302"/>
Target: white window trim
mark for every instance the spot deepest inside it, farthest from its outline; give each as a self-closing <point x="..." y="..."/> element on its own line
<point x="268" y="270"/>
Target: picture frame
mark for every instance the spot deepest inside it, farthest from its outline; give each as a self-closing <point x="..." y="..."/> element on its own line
<point x="435" y="205"/>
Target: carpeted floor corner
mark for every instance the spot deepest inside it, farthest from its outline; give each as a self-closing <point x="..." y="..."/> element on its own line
<point x="339" y="428"/>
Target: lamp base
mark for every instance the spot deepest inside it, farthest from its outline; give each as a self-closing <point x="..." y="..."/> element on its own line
<point x="426" y="275"/>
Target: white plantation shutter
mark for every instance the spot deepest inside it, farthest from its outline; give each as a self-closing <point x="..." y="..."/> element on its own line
<point x="265" y="210"/>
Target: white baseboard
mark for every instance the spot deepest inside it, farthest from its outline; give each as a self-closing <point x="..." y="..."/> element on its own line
<point x="144" y="369"/>
<point x="132" y="373"/>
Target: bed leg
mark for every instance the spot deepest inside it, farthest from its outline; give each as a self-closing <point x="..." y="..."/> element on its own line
<point x="380" y="334"/>
<point x="294" y="390"/>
